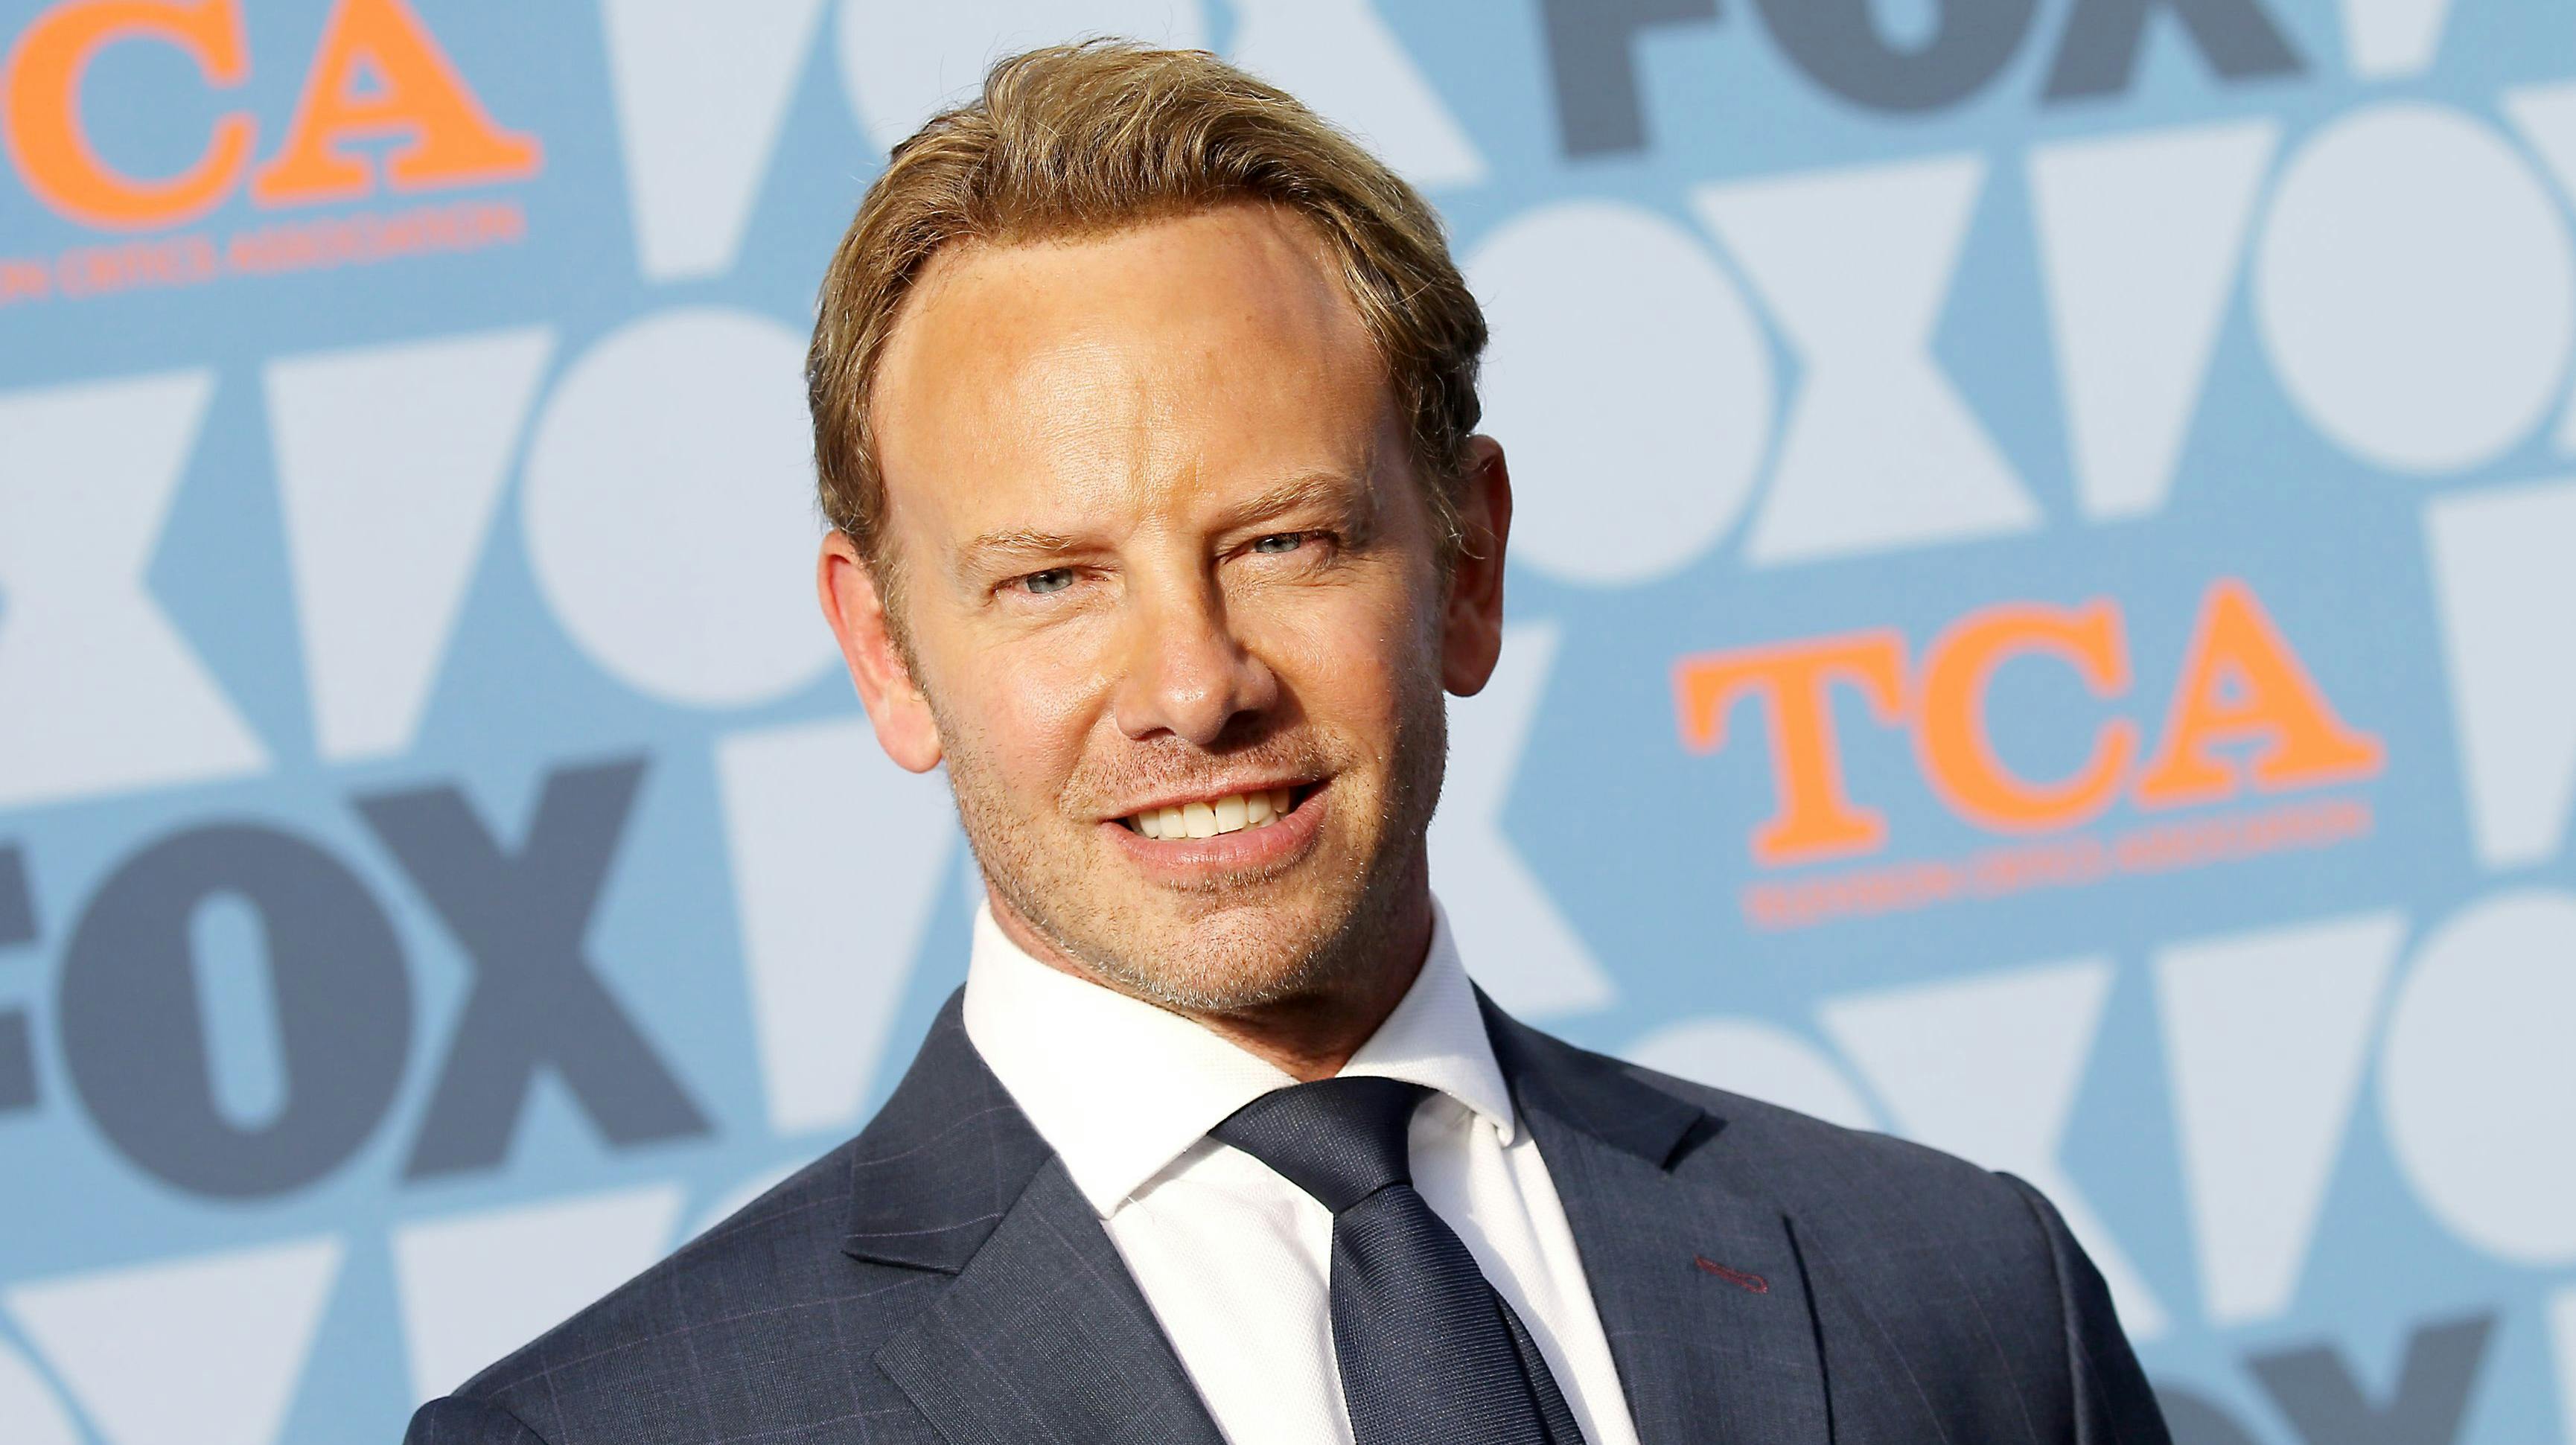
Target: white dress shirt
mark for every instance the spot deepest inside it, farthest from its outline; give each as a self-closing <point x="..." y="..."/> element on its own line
<point x="1234" y="1260"/>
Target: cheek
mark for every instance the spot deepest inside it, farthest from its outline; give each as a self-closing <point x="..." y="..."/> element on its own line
<point x="1026" y="716"/>
<point x="1347" y="658"/>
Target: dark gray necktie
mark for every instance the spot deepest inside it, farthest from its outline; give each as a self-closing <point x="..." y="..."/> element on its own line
<point x="1428" y="1352"/>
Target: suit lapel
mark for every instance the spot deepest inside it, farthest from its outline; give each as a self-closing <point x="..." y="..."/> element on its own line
<point x="1045" y="1336"/>
<point x="1700" y="1286"/>
<point x="1042" y="1334"/>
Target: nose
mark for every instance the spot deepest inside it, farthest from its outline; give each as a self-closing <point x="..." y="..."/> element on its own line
<point x="1185" y="671"/>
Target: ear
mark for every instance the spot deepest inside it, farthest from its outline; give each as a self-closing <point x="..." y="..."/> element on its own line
<point x="856" y="610"/>
<point x="1472" y="625"/>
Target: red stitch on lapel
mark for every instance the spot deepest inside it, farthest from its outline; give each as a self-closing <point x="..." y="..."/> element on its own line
<point x="1752" y="1283"/>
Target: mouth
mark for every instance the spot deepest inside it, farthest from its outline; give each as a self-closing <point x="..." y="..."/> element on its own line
<point x="1214" y="816"/>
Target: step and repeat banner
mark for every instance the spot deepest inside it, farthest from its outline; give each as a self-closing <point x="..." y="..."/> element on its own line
<point x="2044" y="621"/>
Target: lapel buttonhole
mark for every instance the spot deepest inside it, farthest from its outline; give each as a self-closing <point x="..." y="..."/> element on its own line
<point x="1749" y="1283"/>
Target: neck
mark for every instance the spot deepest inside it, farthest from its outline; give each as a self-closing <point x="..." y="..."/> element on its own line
<point x="1308" y="1036"/>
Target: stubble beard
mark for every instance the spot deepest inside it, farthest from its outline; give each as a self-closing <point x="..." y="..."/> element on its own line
<point x="1348" y="938"/>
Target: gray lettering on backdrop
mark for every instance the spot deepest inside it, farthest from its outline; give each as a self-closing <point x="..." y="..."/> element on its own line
<point x="2099" y="55"/>
<point x="17" y="1063"/>
<point x="535" y="1002"/>
<point x="2315" y="1388"/>
<point x="1592" y="56"/>
<point x="133" y="1027"/>
<point x="2192" y="1420"/>
<point x="1839" y="44"/>
<point x="17" y="902"/>
<point x="17" y="926"/>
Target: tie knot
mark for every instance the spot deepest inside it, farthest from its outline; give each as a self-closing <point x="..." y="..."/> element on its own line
<point x="1341" y="1140"/>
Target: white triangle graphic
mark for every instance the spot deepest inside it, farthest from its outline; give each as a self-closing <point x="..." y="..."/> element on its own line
<point x="1339" y="57"/>
<point x="2392" y="39"/>
<point x="2140" y="241"/>
<point x="1508" y="930"/>
<point x="837" y="856"/>
<point x="2265" y="1038"/>
<point x="1987" y="1067"/>
<point x="98" y="692"/>
<point x="389" y="463"/>
<point x="702" y="93"/>
<point x="476" y="1286"/>
<point x="2504" y="592"/>
<point x="903" y="59"/>
<point x="1881" y="452"/>
<point x="200" y="1351"/>
<point x="29" y="1413"/>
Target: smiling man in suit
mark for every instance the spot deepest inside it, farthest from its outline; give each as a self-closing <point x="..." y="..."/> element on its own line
<point x="1144" y="409"/>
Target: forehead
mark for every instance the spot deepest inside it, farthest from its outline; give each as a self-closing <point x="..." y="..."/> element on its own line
<point x="1136" y="371"/>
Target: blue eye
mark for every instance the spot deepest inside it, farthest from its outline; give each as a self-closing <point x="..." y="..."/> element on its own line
<point x="1053" y="579"/>
<point x="1279" y="542"/>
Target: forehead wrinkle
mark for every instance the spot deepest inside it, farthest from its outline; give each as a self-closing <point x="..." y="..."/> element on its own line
<point x="1160" y="459"/>
<point x="1170" y="459"/>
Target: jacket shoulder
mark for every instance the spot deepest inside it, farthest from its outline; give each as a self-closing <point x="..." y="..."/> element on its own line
<point x="1885" y="1221"/>
<point x="1933" y="1280"/>
<point x="1804" y="1160"/>
<point x="764" y="1297"/>
<point x="1871" y="1182"/>
<point x="1871" y="1207"/>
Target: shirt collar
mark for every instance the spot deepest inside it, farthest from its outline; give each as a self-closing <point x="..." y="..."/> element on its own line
<point x="1119" y="1088"/>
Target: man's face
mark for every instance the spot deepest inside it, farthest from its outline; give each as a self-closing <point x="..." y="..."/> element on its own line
<point x="1165" y="567"/>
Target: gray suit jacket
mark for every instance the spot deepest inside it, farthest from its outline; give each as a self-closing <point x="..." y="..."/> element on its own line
<point x="1763" y="1278"/>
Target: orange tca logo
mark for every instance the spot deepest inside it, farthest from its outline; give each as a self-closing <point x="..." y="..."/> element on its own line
<point x="2240" y="684"/>
<point x="377" y="72"/>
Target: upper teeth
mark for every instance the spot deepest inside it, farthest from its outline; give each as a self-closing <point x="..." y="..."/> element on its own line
<point x="1231" y="813"/>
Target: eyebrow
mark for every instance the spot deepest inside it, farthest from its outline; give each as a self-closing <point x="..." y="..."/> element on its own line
<point x="1350" y="500"/>
<point x="1014" y="542"/>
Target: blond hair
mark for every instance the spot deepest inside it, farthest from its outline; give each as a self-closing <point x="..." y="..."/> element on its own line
<point x="1108" y="134"/>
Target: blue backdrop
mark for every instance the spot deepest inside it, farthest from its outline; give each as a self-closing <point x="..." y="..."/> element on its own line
<point x="2042" y="620"/>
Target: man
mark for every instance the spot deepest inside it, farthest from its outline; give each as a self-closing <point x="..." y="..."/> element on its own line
<point x="1144" y="410"/>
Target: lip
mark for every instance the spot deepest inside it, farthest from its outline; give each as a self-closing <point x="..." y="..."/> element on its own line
<point x="1187" y="860"/>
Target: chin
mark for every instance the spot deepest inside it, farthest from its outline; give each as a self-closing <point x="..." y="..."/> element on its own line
<point x="1256" y="956"/>
<point x="1240" y="959"/>
<point x="1231" y="984"/>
